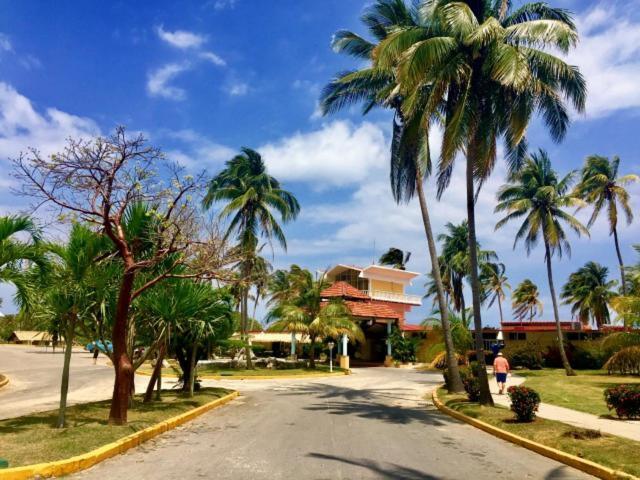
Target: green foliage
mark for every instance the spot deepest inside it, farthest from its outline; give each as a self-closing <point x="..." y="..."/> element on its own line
<point x="529" y="355"/>
<point x="524" y="402"/>
<point x="404" y="348"/>
<point x="396" y="258"/>
<point x="589" y="294"/>
<point x="614" y="342"/>
<point x="625" y="362"/>
<point x="469" y="377"/>
<point x="588" y="356"/>
<point x="624" y="399"/>
<point x="525" y="301"/>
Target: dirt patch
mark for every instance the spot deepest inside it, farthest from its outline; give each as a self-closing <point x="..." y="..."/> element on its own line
<point x="583" y="434"/>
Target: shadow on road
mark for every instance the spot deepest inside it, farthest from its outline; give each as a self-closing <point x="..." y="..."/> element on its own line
<point x="388" y="405"/>
<point x="391" y="471"/>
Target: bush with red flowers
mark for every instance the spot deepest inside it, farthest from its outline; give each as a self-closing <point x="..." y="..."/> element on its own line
<point x="524" y="402"/>
<point x="624" y="399"/>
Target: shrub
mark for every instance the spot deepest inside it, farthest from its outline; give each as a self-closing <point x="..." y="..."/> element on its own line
<point x="588" y="356"/>
<point x="529" y="355"/>
<point x="404" y="348"/>
<point x="524" y="402"/>
<point x="625" y="362"/>
<point x="469" y="378"/>
<point x="440" y="361"/>
<point x="624" y="399"/>
<point x="552" y="358"/>
<point x="614" y="342"/>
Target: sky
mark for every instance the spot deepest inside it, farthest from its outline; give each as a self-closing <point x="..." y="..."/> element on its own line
<point x="202" y="78"/>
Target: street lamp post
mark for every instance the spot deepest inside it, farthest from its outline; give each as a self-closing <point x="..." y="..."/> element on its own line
<point x="331" y="345"/>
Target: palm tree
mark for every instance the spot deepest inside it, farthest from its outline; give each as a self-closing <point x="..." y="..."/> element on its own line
<point x="487" y="68"/>
<point x="601" y="187"/>
<point x="373" y="86"/>
<point x="537" y="194"/>
<point x="16" y="255"/>
<point x="495" y="282"/>
<point x="628" y="306"/>
<point x="395" y="258"/>
<point x="526" y="302"/>
<point x="589" y="294"/>
<point x="304" y="312"/>
<point x="251" y="197"/>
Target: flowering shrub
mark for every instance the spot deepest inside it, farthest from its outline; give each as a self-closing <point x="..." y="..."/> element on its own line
<point x="524" y="402"/>
<point x="624" y="399"/>
<point x="472" y="387"/>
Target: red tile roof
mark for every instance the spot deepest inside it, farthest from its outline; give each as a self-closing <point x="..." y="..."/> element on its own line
<point x="344" y="290"/>
<point x="371" y="310"/>
<point x="407" y="327"/>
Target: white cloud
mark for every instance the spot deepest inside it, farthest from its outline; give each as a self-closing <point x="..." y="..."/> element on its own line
<point x="609" y="57"/>
<point x="213" y="58"/>
<point x="182" y="39"/>
<point x="238" y="89"/>
<point x="197" y="152"/>
<point x="337" y="154"/>
<point x="5" y="43"/>
<point x="224" y="4"/>
<point x="158" y="81"/>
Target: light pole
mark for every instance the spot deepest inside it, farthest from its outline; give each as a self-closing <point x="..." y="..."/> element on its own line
<point x="331" y="345"/>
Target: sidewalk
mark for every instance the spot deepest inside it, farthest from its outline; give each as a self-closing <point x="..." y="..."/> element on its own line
<point x="621" y="428"/>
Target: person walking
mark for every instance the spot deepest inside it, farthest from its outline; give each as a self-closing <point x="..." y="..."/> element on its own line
<point x="96" y="352"/>
<point x="500" y="370"/>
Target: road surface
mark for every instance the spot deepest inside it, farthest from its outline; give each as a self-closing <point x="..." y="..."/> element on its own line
<point x="373" y="424"/>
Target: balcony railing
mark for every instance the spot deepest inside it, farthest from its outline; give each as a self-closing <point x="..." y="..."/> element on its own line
<point x="393" y="297"/>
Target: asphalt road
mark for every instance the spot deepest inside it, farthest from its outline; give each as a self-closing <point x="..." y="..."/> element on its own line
<point x="370" y="425"/>
<point x="34" y="379"/>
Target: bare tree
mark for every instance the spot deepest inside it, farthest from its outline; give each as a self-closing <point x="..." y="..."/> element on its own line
<point x="106" y="182"/>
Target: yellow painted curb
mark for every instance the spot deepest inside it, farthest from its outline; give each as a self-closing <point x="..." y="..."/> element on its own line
<point x="89" y="459"/>
<point x="586" y="466"/>
<point x="255" y="377"/>
<point x="3" y="380"/>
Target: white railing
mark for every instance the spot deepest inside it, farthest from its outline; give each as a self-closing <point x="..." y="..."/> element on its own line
<point x="393" y="297"/>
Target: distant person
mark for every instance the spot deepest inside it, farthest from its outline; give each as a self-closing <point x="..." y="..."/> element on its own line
<point x="500" y="370"/>
<point x="96" y="352"/>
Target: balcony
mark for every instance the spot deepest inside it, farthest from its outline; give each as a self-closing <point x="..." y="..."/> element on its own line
<point x="393" y="297"/>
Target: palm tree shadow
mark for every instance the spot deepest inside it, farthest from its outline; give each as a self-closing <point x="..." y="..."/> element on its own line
<point x="393" y="470"/>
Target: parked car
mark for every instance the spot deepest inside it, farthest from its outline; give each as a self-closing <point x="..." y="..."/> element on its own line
<point x="97" y="343"/>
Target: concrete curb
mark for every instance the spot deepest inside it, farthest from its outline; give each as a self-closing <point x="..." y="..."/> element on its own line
<point x="86" y="460"/>
<point x="3" y="380"/>
<point x="586" y="466"/>
<point x="255" y="377"/>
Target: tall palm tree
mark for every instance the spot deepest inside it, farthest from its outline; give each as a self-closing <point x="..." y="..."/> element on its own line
<point x="395" y="258"/>
<point x="490" y="65"/>
<point x="495" y="282"/>
<point x="601" y="187"/>
<point x="526" y="301"/>
<point x="17" y="255"/>
<point x="537" y="194"/>
<point x="305" y="312"/>
<point x="627" y="306"/>
<point x="590" y="294"/>
<point x="251" y="196"/>
<point x="375" y="85"/>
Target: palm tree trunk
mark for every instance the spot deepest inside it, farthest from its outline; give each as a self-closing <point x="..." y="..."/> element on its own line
<point x="563" y="354"/>
<point x="245" y="328"/>
<point x="64" y="385"/>
<point x="312" y="353"/>
<point x="622" y="279"/>
<point x="155" y="376"/>
<point x="485" y="393"/>
<point x="192" y="369"/>
<point x="500" y="310"/>
<point x="455" y="382"/>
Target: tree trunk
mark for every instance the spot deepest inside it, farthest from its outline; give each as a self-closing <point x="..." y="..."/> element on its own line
<point x="192" y="369"/>
<point x="455" y="382"/>
<point x="556" y="314"/>
<point x="485" y="393"/>
<point x="244" y="315"/>
<point x="121" y="361"/>
<point x="621" y="265"/>
<point x="64" y="384"/>
<point x="155" y="376"/>
<point x="312" y="353"/>
<point x="183" y="357"/>
<point x="500" y="310"/>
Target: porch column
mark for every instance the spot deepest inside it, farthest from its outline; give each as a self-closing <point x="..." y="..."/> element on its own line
<point x="293" y="344"/>
<point x="344" y="357"/>
<point x="388" y="361"/>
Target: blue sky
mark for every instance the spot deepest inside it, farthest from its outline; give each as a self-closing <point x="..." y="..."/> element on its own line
<point x="203" y="78"/>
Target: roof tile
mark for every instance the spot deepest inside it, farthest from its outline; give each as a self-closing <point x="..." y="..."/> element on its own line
<point x="344" y="290"/>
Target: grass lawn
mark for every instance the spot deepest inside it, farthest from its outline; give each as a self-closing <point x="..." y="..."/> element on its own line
<point x="33" y="439"/>
<point x="613" y="452"/>
<point x="583" y="392"/>
<point x="212" y="370"/>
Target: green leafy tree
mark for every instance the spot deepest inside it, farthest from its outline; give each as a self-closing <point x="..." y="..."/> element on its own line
<point x="627" y="306"/>
<point x="404" y="348"/>
<point x="251" y="196"/>
<point x="485" y="67"/>
<point x="601" y="187"/>
<point x="540" y="198"/>
<point x="305" y="312"/>
<point x="396" y="258"/>
<point x="525" y="302"/>
<point x="495" y="284"/>
<point x="375" y="86"/>
<point x="590" y="293"/>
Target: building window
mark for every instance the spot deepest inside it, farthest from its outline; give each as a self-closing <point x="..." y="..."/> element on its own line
<point x="352" y="278"/>
<point x="517" y="336"/>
